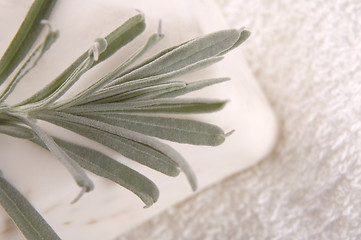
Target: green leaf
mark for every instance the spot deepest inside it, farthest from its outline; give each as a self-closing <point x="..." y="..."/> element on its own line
<point x="165" y="105"/>
<point x="242" y="37"/>
<point x="30" y="63"/>
<point x="97" y="163"/>
<point x="124" y="34"/>
<point x="141" y="153"/>
<point x="28" y="220"/>
<point x="190" y="87"/>
<point x="149" y="60"/>
<point x="153" y="39"/>
<point x="8" y="118"/>
<point x="98" y="47"/>
<point x="66" y="85"/>
<point x="75" y="170"/>
<point x="115" y="40"/>
<point x="25" y="37"/>
<point x="151" y="143"/>
<point x="15" y="130"/>
<point x="106" y="167"/>
<point x="191" y="52"/>
<point x="143" y="93"/>
<point x="173" y="129"/>
<point x="108" y="92"/>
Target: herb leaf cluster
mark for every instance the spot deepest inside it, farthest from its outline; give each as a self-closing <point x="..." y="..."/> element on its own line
<point x="124" y="110"/>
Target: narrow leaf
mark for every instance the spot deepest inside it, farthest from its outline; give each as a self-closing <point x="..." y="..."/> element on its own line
<point x="147" y="61"/>
<point x="173" y="129"/>
<point x="65" y="85"/>
<point x="8" y="118"/>
<point x="122" y="35"/>
<point x="184" y="55"/>
<point x="143" y="93"/>
<point x="242" y="37"/>
<point x="107" y="167"/>
<point x="115" y="40"/>
<point x="28" y="220"/>
<point x="96" y="162"/>
<point x="75" y="170"/>
<point x="17" y="131"/>
<point x="25" y="37"/>
<point x="165" y="105"/>
<point x="159" y="90"/>
<point x="136" y="137"/>
<point x="153" y="39"/>
<point x="141" y="153"/>
<point x="30" y="63"/>
<point x="104" y="166"/>
<point x="194" y="86"/>
<point x="145" y="82"/>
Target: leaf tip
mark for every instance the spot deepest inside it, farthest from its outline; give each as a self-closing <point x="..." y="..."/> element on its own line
<point x="149" y="200"/>
<point x="80" y="194"/>
<point x="225" y="135"/>
<point x="140" y="14"/>
<point x="194" y="185"/>
<point x="245" y="34"/>
<point x="46" y="23"/>
<point x="99" y="46"/>
<point x="192" y="179"/>
<point x="148" y="205"/>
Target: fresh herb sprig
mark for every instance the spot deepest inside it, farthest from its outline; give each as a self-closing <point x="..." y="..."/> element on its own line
<point x="124" y="110"/>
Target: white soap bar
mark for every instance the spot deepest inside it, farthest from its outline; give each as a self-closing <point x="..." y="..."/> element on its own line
<point x="109" y="209"/>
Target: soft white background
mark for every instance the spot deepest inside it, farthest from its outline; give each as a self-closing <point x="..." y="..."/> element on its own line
<point x="307" y="58"/>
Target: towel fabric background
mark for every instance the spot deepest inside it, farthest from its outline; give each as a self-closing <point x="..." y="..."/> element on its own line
<point x="307" y="57"/>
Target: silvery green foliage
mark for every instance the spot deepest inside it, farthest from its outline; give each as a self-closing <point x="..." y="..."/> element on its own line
<point x="121" y="110"/>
